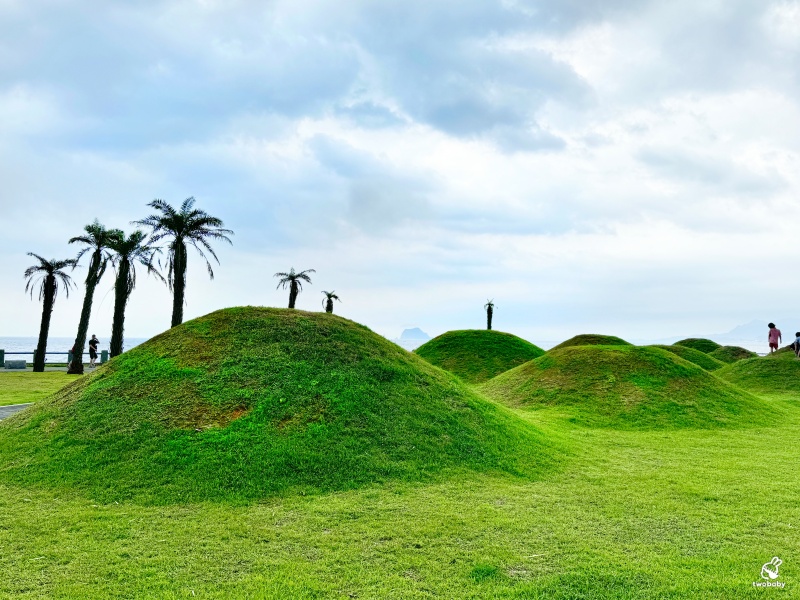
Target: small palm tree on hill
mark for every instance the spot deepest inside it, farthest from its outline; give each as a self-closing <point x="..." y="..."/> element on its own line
<point x="48" y="274"/>
<point x="489" y="306"/>
<point x="295" y="283"/>
<point x="327" y="301"/>
<point x="95" y="240"/>
<point x="127" y="253"/>
<point x="185" y="226"/>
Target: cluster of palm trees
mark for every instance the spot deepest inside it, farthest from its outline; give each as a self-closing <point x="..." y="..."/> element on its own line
<point x="294" y="281"/>
<point x="180" y="228"/>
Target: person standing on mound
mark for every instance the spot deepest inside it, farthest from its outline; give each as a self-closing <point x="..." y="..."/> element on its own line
<point x="774" y="337"/>
<point x="796" y="344"/>
<point x="93" y="343"/>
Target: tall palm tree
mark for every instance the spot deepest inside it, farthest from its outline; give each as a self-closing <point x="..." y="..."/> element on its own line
<point x="48" y="274"/>
<point x="489" y="306"/>
<point x="96" y="240"/>
<point x="327" y="302"/>
<point x="185" y="226"/>
<point x="127" y="253"/>
<point x="295" y="283"/>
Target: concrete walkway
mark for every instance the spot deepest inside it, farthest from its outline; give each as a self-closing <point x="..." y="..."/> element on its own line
<point x="7" y="411"/>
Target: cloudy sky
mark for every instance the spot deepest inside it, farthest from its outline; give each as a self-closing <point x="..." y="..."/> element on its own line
<point x="627" y="167"/>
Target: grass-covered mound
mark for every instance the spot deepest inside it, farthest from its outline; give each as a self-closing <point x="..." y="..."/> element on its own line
<point x="477" y="355"/>
<point x="701" y="359"/>
<point x="732" y="354"/>
<point x="591" y="339"/>
<point x="701" y="344"/>
<point x="625" y="386"/>
<point x="248" y="402"/>
<point x="774" y="373"/>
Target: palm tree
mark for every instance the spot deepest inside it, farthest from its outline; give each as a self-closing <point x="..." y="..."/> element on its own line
<point x="48" y="274"/>
<point x="327" y="302"/>
<point x="127" y="252"/>
<point x="295" y="283"/>
<point x="185" y="226"/>
<point x="96" y="241"/>
<point x="489" y="306"/>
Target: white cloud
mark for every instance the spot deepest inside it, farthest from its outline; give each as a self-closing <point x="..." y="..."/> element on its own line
<point x="615" y="166"/>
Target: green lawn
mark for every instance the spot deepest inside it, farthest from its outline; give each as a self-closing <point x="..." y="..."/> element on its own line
<point x="18" y="388"/>
<point x="632" y="514"/>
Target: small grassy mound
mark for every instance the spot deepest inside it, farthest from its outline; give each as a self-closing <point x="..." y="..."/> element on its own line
<point x="626" y="387"/>
<point x="477" y="355"/>
<point x="701" y="344"/>
<point x="773" y="373"/>
<point x="592" y="339"/>
<point x="732" y="354"/>
<point x="701" y="359"/>
<point x="248" y="402"/>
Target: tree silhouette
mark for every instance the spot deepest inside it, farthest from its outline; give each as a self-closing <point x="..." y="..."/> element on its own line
<point x="327" y="302"/>
<point x="295" y="283"/>
<point x="489" y="306"/>
<point x="185" y="226"/>
<point x="96" y="240"/>
<point x="48" y="274"/>
<point x="127" y="253"/>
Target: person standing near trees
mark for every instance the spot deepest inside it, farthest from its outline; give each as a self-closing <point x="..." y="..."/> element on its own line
<point x="93" y="343"/>
<point x="774" y="337"/>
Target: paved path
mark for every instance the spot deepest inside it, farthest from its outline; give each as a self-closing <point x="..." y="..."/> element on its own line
<point x="7" y="411"/>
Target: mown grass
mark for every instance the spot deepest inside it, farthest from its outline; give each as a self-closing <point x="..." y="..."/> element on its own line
<point x="591" y="339"/>
<point x="701" y="359"/>
<point x="23" y="387"/>
<point x="731" y="354"/>
<point x="634" y="515"/>
<point x="775" y="373"/>
<point x="628" y="387"/>
<point x="629" y="513"/>
<point x="701" y="344"/>
<point x="249" y="402"/>
<point x="477" y="355"/>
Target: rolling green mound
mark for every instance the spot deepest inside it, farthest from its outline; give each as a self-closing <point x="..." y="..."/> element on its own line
<point x="701" y="344"/>
<point x="731" y="354"/>
<point x="626" y="387"/>
<point x="477" y="355"/>
<point x="773" y="373"/>
<point x="701" y="359"/>
<point x="248" y="402"/>
<point x="592" y="339"/>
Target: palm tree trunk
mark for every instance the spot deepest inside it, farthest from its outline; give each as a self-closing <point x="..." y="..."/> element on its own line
<point x="329" y="306"/>
<point x="293" y="294"/>
<point x="179" y="284"/>
<point x="489" y="312"/>
<point x="121" y="294"/>
<point x="47" y="311"/>
<point x="76" y="366"/>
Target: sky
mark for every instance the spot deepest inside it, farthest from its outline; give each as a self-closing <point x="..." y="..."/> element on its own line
<point x="622" y="167"/>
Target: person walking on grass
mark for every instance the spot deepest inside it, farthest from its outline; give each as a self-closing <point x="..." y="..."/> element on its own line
<point x="796" y="345"/>
<point x="93" y="343"/>
<point x="774" y="337"/>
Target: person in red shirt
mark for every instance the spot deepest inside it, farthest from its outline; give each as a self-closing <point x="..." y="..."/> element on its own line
<point x="773" y="337"/>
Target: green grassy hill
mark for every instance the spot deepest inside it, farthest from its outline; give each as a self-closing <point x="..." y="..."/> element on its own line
<point x="477" y="355"/>
<point x="731" y="354"/>
<point x="773" y="373"/>
<point x="591" y="339"/>
<point x="627" y="387"/>
<point x="701" y="359"/>
<point x="248" y="402"/>
<point x="701" y="344"/>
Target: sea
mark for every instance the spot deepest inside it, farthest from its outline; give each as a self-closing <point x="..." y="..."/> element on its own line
<point x="57" y="347"/>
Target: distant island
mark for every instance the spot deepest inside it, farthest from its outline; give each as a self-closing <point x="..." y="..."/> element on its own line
<point x="412" y="338"/>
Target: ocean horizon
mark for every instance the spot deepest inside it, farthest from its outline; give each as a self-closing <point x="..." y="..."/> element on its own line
<point x="55" y="345"/>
